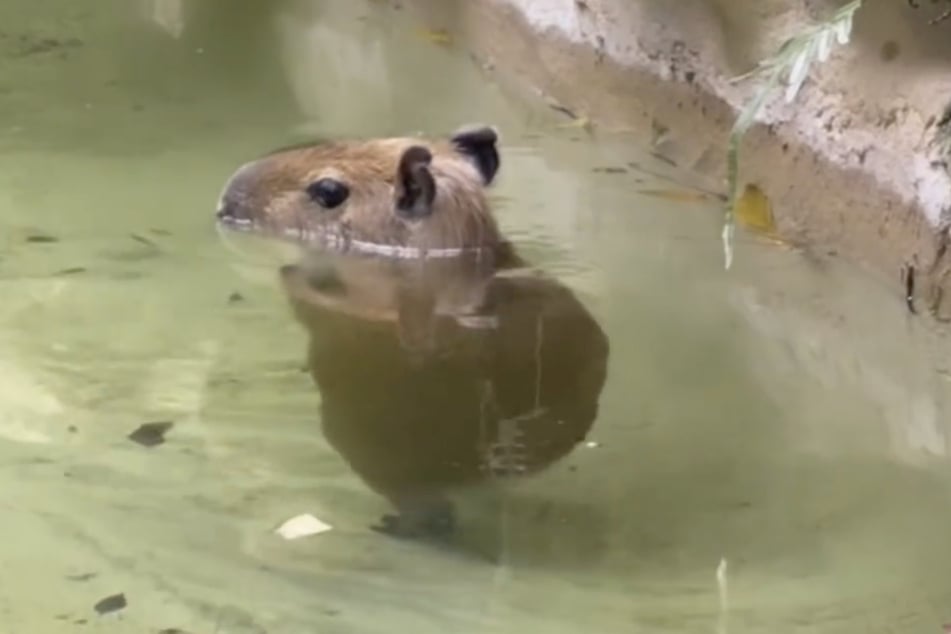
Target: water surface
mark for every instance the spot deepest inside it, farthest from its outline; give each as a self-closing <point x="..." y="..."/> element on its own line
<point x="788" y="418"/>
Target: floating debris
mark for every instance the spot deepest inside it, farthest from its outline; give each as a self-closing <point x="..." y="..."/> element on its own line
<point x="659" y="134"/>
<point x="565" y="110"/>
<point x="71" y="271"/>
<point x="722" y="592"/>
<point x="40" y="238"/>
<point x="664" y="159"/>
<point x="86" y="576"/>
<point x="302" y="526"/>
<point x="440" y="37"/>
<point x="235" y="297"/>
<point x="151" y="434"/>
<point x="143" y="240"/>
<point x="908" y="279"/>
<point x="592" y="444"/>
<point x="112" y="603"/>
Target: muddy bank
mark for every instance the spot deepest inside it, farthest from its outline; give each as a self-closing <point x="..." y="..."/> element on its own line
<point x="851" y="165"/>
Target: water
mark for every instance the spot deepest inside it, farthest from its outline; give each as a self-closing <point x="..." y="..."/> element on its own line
<point x="788" y="418"/>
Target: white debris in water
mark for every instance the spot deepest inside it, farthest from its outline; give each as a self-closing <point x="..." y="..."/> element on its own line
<point x="721" y="580"/>
<point x="729" y="231"/>
<point x="724" y="599"/>
<point x="592" y="445"/>
<point x="302" y="526"/>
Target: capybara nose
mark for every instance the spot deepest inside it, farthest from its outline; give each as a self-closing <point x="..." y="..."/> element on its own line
<point x="234" y="215"/>
<point x="225" y="211"/>
<point x="230" y="211"/>
<point x="233" y="203"/>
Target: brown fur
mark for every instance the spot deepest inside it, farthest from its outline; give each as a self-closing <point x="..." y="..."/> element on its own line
<point x="271" y="193"/>
<point x="434" y="373"/>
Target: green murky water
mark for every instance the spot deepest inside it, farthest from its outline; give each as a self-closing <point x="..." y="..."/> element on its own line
<point x="788" y="419"/>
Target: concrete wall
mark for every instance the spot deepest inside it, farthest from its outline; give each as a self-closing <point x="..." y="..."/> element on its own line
<point x="847" y="165"/>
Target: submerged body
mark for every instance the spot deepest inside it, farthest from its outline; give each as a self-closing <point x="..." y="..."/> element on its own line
<point x="440" y="362"/>
<point x="431" y="396"/>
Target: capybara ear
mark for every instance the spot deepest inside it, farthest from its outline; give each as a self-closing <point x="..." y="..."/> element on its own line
<point x="478" y="142"/>
<point x="415" y="185"/>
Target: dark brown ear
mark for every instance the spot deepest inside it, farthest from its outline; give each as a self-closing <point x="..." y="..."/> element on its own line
<point x="415" y="185"/>
<point x="478" y="142"/>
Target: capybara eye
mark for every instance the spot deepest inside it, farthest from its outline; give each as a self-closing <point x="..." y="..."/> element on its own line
<point x="328" y="193"/>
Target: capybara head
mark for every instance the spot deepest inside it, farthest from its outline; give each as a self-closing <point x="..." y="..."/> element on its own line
<point x="384" y="193"/>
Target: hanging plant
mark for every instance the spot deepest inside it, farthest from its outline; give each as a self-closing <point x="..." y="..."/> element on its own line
<point x="793" y="61"/>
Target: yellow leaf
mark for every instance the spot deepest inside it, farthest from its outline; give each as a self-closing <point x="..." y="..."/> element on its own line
<point x="440" y="37"/>
<point x="753" y="210"/>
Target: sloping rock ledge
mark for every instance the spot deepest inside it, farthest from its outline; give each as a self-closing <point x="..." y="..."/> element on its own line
<point x="850" y="166"/>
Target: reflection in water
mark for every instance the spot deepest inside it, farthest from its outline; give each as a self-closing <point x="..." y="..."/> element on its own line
<point x="438" y="374"/>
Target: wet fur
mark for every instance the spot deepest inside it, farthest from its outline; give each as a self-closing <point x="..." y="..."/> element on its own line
<point x="426" y="367"/>
<point x="421" y="403"/>
<point x="454" y="172"/>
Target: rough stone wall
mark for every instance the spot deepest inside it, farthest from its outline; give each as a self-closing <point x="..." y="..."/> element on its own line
<point x="848" y="165"/>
